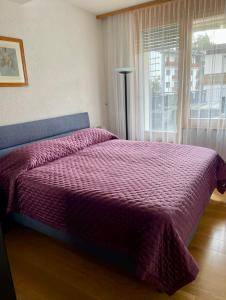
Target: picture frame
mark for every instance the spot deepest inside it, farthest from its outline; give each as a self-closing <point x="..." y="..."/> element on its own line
<point x="13" y="71"/>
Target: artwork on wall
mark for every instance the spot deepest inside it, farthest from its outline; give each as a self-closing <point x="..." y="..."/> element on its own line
<point x="12" y="63"/>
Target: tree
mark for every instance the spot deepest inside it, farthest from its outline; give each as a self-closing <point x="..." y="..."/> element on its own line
<point x="155" y="85"/>
<point x="202" y="42"/>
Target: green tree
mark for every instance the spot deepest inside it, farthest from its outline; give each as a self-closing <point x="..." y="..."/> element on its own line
<point x="202" y="42"/>
<point x="155" y="85"/>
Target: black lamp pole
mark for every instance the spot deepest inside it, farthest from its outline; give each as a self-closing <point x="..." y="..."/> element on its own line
<point x="125" y="72"/>
<point x="126" y="105"/>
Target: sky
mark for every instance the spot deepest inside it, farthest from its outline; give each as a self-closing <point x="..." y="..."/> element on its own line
<point x="217" y="36"/>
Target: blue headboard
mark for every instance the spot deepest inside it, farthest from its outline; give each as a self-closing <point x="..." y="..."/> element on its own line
<point x="13" y="136"/>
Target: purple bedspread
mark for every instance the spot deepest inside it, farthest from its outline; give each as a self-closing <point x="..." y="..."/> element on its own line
<point x="143" y="199"/>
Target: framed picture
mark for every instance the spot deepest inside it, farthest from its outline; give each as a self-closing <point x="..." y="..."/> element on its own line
<point x="13" y="70"/>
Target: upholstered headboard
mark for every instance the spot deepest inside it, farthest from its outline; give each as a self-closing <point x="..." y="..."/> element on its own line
<point x="13" y="136"/>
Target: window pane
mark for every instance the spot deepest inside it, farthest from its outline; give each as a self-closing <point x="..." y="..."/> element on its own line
<point x="161" y="45"/>
<point x="208" y="70"/>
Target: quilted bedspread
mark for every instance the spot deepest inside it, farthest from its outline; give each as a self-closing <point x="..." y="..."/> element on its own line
<point x="140" y="198"/>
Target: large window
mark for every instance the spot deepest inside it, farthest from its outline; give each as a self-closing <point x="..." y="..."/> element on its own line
<point x="207" y="67"/>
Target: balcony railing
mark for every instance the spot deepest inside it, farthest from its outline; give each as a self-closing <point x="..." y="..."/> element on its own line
<point x="205" y="104"/>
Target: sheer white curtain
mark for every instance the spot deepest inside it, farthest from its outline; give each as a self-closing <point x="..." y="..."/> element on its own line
<point x="178" y="88"/>
<point x="206" y="112"/>
<point x="118" y="43"/>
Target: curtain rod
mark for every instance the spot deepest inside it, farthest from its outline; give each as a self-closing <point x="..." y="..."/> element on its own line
<point x="131" y="8"/>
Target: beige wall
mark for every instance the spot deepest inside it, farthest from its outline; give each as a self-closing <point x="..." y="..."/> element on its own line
<point x="63" y="48"/>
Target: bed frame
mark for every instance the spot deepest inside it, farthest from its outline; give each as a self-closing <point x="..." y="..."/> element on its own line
<point x="15" y="136"/>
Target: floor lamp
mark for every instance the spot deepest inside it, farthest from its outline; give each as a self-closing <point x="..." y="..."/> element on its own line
<point x="125" y="72"/>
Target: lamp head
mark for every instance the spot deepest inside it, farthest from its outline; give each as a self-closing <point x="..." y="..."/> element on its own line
<point x="124" y="70"/>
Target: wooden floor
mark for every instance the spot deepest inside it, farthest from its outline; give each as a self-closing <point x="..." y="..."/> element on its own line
<point x="44" y="269"/>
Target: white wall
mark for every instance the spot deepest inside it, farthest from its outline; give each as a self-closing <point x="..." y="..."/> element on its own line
<point x="214" y="64"/>
<point x="63" y="48"/>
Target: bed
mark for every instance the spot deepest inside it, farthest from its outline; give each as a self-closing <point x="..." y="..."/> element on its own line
<point x="137" y="201"/>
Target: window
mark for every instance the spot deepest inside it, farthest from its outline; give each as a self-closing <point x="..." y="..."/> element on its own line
<point x="161" y="46"/>
<point x="206" y="84"/>
<point x="208" y="87"/>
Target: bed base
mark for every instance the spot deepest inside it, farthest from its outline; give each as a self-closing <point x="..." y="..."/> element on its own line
<point x="116" y="258"/>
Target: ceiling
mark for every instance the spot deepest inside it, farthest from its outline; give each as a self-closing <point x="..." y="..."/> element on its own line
<point x="20" y="1"/>
<point x="98" y="6"/>
<point x="103" y="6"/>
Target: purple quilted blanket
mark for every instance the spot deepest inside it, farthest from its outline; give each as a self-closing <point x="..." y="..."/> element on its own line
<point x="143" y="199"/>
